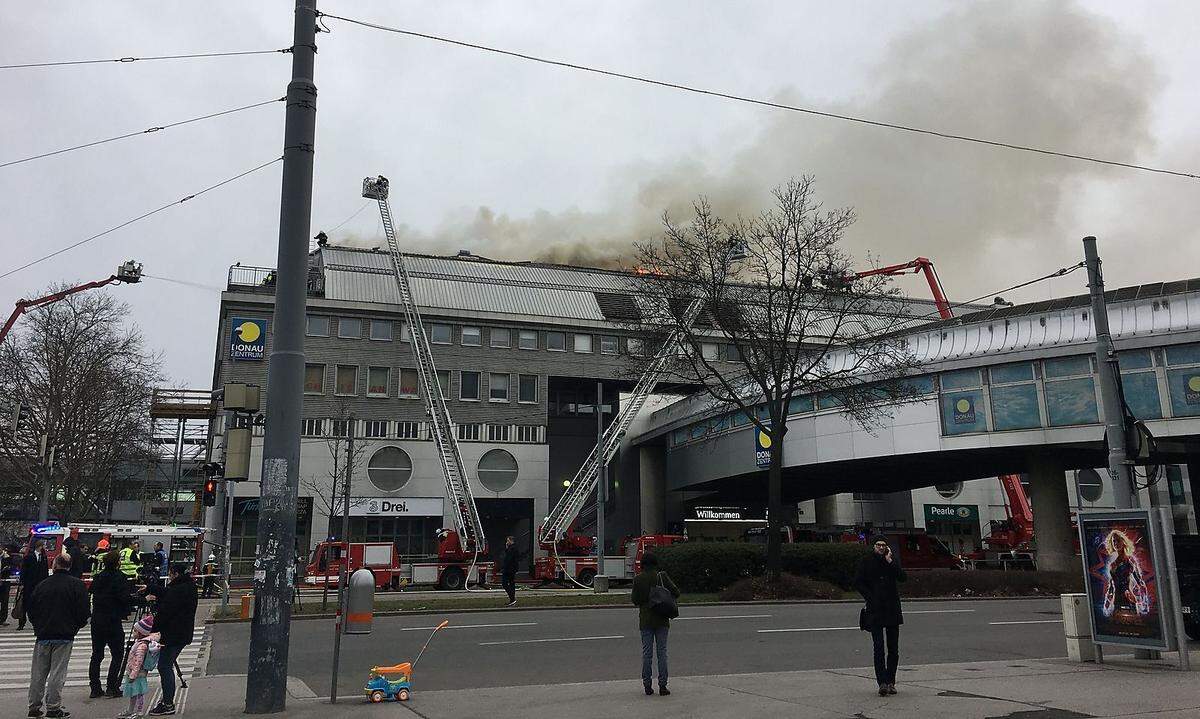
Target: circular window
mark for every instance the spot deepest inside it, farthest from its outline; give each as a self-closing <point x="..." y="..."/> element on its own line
<point x="1091" y="487"/>
<point x="497" y="470"/>
<point x="389" y="469"/>
<point x="949" y="491"/>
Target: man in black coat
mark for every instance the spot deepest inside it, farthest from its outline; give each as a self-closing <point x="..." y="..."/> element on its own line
<point x="112" y="600"/>
<point x="876" y="581"/>
<point x="34" y="569"/>
<point x="58" y="611"/>
<point x="508" y="569"/>
<point x="175" y="621"/>
<point x="78" y="558"/>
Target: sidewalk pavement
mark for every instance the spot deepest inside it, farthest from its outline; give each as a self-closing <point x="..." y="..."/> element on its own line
<point x="1028" y="689"/>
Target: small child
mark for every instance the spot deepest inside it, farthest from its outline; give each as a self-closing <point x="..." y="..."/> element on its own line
<point x="142" y="659"/>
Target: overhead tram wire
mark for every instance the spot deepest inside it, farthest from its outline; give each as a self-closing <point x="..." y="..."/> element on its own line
<point x="766" y="103"/>
<point x="126" y="60"/>
<point x="147" y="131"/>
<point x="143" y="216"/>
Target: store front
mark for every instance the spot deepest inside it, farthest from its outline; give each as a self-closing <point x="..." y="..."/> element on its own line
<point x="722" y="523"/>
<point x="957" y="525"/>
<point x="244" y="534"/>
<point x="411" y="523"/>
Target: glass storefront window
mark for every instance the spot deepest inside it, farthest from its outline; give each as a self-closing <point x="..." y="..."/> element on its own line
<point x="1071" y="401"/>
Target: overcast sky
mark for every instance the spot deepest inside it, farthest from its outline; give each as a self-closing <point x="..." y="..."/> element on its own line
<point x="522" y="161"/>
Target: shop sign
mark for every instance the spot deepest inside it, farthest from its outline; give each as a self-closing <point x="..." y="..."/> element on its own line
<point x="396" y="507"/>
<point x="727" y="514"/>
<point x="964" y="410"/>
<point x="951" y="513"/>
<point x="247" y="338"/>
<point x="762" y="447"/>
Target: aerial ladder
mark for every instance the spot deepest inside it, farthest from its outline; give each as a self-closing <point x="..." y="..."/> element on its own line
<point x="128" y="273"/>
<point x="466" y="541"/>
<point x="556" y="534"/>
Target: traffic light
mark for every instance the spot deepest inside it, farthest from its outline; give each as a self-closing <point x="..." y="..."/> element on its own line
<point x="210" y="492"/>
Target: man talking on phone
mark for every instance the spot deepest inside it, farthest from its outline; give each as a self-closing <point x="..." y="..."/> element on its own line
<point x="876" y="581"/>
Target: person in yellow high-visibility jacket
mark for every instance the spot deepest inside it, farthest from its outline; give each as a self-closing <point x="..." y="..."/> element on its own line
<point x="130" y="560"/>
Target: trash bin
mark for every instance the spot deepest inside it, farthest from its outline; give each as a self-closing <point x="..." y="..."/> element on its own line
<point x="1077" y="627"/>
<point x="247" y="606"/>
<point x="360" y="602"/>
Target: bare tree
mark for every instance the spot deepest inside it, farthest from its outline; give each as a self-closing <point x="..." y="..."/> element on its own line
<point x="767" y="310"/>
<point x="85" y="378"/>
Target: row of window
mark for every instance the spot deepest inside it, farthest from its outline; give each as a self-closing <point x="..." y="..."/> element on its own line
<point x="390" y="468"/>
<point x="408" y="385"/>
<point x="406" y="429"/>
<point x="473" y="336"/>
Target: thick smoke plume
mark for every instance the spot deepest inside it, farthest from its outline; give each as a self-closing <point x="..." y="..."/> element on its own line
<point x="1042" y="74"/>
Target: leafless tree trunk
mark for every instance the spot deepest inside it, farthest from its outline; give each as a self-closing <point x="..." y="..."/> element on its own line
<point x="783" y="318"/>
<point x="86" y="380"/>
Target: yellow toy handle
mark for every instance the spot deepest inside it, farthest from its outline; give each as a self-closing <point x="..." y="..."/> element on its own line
<point x="444" y="623"/>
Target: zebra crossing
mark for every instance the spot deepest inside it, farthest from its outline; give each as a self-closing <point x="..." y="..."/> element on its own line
<point x="16" y="654"/>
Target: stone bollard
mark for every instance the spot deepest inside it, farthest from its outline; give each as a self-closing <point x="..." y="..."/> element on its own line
<point x="360" y="602"/>
<point x="1077" y="627"/>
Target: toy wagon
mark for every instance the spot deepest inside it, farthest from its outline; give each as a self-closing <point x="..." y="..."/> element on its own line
<point x="395" y="682"/>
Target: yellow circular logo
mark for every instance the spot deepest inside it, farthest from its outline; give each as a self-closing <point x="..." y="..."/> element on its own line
<point x="963" y="406"/>
<point x="1194" y="383"/>
<point x="248" y="331"/>
<point x="764" y="440"/>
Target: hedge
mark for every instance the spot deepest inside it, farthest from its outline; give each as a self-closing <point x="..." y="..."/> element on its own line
<point x="712" y="566"/>
<point x="789" y="587"/>
<point x="989" y="583"/>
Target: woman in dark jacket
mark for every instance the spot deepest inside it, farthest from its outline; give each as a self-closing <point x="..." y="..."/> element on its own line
<point x="876" y="581"/>
<point x="175" y="621"/>
<point x="112" y="600"/>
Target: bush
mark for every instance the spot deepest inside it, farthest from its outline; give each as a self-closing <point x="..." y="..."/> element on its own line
<point x="985" y="583"/>
<point x="789" y="587"/>
<point x="833" y="563"/>
<point x="712" y="566"/>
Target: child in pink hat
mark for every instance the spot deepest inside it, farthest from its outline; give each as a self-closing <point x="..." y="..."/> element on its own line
<point x="141" y="660"/>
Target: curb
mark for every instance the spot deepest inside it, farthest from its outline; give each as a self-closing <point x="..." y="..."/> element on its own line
<point x="682" y="605"/>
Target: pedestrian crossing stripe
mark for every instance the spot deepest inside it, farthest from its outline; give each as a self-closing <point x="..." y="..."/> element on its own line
<point x="17" y="654"/>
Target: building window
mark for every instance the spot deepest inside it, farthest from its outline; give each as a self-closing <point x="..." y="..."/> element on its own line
<point x="404" y="335"/>
<point x="350" y="328"/>
<point x="377" y="381"/>
<point x="498" y="387"/>
<point x="377" y="428"/>
<point x="528" y="433"/>
<point x="527" y="340"/>
<point x="312" y="427"/>
<point x="381" y="330"/>
<point x="583" y="343"/>
<point x="498" y="432"/>
<point x="316" y="325"/>
<point x="556" y="342"/>
<point x="389" y="469"/>
<point x="608" y="345"/>
<point x="708" y="351"/>
<point x="341" y="428"/>
<point x="443" y="376"/>
<point x="408" y="430"/>
<point x="314" y="379"/>
<point x="472" y="336"/>
<point x="732" y="353"/>
<point x="409" y="383"/>
<point x="470" y="432"/>
<point x="500" y="337"/>
<point x="1175" y="485"/>
<point x="347" y="380"/>
<point x="1090" y="486"/>
<point x="439" y="334"/>
<point x="635" y="347"/>
<point x="527" y="388"/>
<point x="497" y="470"/>
<point x="468" y="385"/>
<point x="949" y="491"/>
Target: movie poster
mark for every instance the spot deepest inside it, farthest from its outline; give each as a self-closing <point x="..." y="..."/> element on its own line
<point x="1122" y="579"/>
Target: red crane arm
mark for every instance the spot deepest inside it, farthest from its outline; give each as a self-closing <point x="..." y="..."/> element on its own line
<point x="24" y="306"/>
<point x="923" y="265"/>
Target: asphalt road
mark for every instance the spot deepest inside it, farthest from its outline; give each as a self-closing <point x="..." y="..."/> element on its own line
<point x="514" y="647"/>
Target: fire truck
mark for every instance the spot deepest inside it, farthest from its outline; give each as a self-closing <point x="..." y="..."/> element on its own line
<point x="183" y="544"/>
<point x="389" y="571"/>
<point x="581" y="567"/>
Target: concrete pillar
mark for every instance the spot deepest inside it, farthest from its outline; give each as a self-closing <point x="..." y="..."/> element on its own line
<point x="652" y="477"/>
<point x="826" y="510"/>
<point x="1051" y="517"/>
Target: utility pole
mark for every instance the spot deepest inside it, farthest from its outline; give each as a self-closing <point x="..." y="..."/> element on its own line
<point x="226" y="493"/>
<point x="1109" y="374"/>
<point x="274" y="568"/>
<point x="344" y="567"/>
<point x="47" y="457"/>
<point x="600" y="581"/>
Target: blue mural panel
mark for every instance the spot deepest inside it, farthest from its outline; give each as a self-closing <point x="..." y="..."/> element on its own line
<point x="1071" y="401"/>
<point x="1183" y="354"/>
<point x="1184" y="386"/>
<point x="963" y="412"/>
<point x="1015" y="407"/>
<point x="919" y="385"/>
<point x="1135" y="359"/>
<point x="800" y="405"/>
<point x="1005" y="373"/>
<point x="1068" y="366"/>
<point x="960" y="379"/>
<point x="1141" y="394"/>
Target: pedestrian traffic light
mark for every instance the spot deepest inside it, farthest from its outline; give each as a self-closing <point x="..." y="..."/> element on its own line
<point x="210" y="492"/>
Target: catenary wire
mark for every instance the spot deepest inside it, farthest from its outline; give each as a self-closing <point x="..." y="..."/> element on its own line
<point x="143" y="216"/>
<point x="357" y="212"/>
<point x="147" y="131"/>
<point x="767" y="103"/>
<point x="128" y="59"/>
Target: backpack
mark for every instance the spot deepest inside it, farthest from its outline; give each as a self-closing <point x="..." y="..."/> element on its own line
<point x="662" y="602"/>
<point x="150" y="663"/>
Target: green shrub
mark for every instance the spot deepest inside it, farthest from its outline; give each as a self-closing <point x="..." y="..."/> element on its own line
<point x="833" y="563"/>
<point x="710" y="566"/>
<point x="985" y="583"/>
<point x="789" y="586"/>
